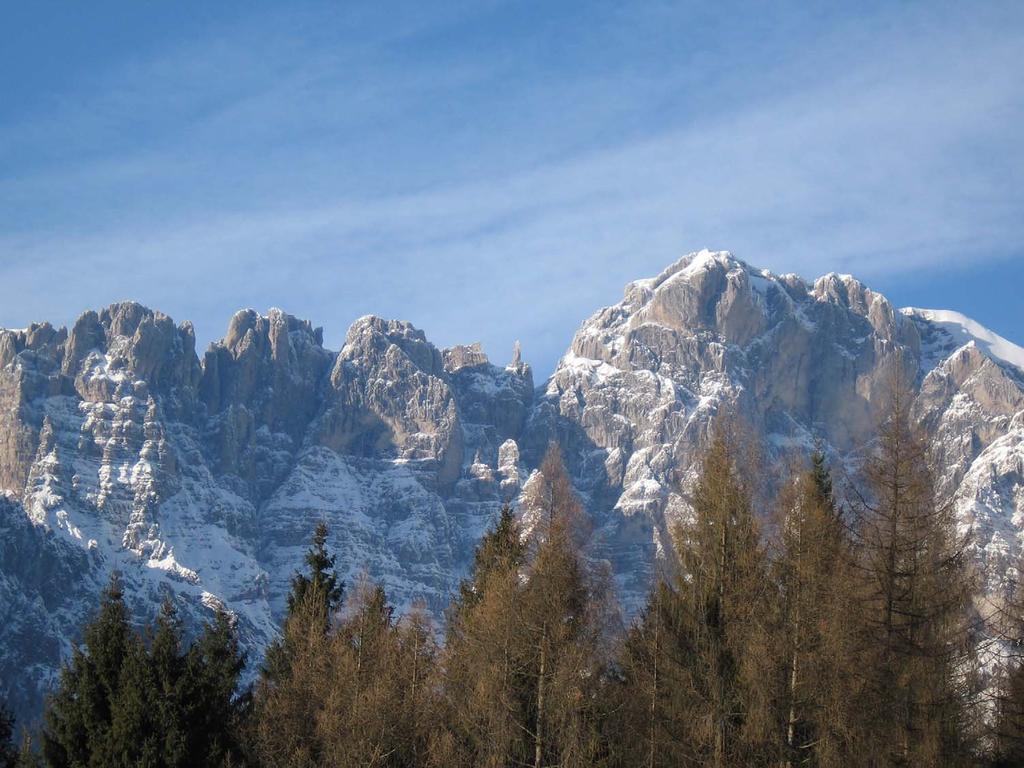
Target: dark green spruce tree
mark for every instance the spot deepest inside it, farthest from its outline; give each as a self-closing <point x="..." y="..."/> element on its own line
<point x="284" y="704"/>
<point x="322" y="577"/>
<point x="79" y="714"/>
<point x="320" y="592"/>
<point x="214" y="713"/>
<point x="822" y="478"/>
<point x="166" y="672"/>
<point x="135" y="724"/>
<point x="132" y="699"/>
<point x="501" y="550"/>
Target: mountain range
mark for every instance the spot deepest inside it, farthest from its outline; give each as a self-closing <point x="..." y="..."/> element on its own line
<point x="200" y="478"/>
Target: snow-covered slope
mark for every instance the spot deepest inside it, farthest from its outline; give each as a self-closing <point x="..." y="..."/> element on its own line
<point x="201" y="478"/>
<point x="944" y="331"/>
<point x="202" y="482"/>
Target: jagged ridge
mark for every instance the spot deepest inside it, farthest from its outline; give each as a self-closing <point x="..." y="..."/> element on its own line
<point x="202" y="479"/>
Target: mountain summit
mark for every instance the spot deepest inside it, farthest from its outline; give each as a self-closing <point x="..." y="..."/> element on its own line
<point x="201" y="479"/>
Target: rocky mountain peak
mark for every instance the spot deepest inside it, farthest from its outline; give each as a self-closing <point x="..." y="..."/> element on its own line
<point x="391" y="398"/>
<point x="803" y="364"/>
<point x="848" y="292"/>
<point x="120" y="450"/>
<point x="38" y="340"/>
<point x="272" y="364"/>
<point x="464" y="356"/>
<point x="371" y="336"/>
<point x="944" y="331"/>
<point x="108" y="351"/>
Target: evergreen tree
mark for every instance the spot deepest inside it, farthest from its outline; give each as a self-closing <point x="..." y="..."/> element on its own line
<point x="314" y="598"/>
<point x="821" y="477"/>
<point x="322" y="577"/>
<point x="79" y="713"/>
<point x="149" y="724"/>
<point x="213" y="711"/>
<point x="166" y="673"/>
<point x="135" y="735"/>
<point x="129" y="700"/>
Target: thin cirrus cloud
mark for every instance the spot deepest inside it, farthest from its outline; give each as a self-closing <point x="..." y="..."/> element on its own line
<point x="338" y="180"/>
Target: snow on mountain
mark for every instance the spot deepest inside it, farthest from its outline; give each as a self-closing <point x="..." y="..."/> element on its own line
<point x="944" y="331"/>
<point x="804" y="364"/>
<point x="201" y="478"/>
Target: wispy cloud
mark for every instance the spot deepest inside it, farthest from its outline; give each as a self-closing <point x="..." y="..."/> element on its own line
<point x="884" y="145"/>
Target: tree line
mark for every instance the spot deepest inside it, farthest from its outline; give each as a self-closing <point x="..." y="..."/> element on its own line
<point x="849" y="636"/>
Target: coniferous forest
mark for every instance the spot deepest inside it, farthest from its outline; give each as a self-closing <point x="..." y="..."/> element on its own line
<point x="817" y="633"/>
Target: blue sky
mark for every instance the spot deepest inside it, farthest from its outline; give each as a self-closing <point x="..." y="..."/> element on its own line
<point x="499" y="170"/>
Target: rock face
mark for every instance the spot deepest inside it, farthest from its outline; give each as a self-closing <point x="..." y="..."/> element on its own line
<point x="201" y="480"/>
<point x="635" y="397"/>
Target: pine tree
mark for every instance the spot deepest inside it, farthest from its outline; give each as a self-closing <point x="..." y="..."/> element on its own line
<point x="125" y="699"/>
<point x="167" y="669"/>
<point x="148" y="724"/>
<point x="314" y="598"/>
<point x="821" y="477"/>
<point x="79" y="713"/>
<point x="213" y="710"/>
<point x="916" y="598"/>
<point x="135" y="737"/>
<point x="322" y="577"/>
